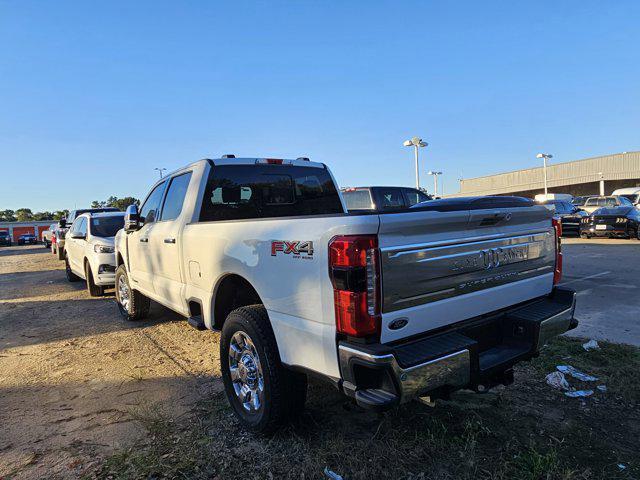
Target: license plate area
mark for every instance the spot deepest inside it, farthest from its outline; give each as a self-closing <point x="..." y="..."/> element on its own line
<point x="601" y="227"/>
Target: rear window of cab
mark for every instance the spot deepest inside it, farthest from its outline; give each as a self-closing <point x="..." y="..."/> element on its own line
<point x="240" y="192"/>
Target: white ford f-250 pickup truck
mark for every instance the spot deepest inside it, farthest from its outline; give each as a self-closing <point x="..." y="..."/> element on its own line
<point x="388" y="307"/>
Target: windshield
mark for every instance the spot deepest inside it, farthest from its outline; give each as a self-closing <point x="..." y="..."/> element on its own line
<point x="632" y="197"/>
<point x="358" y="199"/>
<point x="562" y="207"/>
<point x="106" y="226"/>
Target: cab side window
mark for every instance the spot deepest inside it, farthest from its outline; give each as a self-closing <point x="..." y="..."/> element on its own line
<point x="175" y="196"/>
<point x="151" y="207"/>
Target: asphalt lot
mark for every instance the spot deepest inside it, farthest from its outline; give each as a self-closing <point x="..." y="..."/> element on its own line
<point x="606" y="275"/>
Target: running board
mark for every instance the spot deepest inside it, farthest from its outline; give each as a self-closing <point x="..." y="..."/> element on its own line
<point x="196" y="322"/>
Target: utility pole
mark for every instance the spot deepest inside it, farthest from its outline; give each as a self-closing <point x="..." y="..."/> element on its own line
<point x="160" y="170"/>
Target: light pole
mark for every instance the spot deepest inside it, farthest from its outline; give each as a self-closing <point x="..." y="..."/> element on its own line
<point x="416" y="143"/>
<point x="160" y="170"/>
<point x="544" y="157"/>
<point x="435" y="181"/>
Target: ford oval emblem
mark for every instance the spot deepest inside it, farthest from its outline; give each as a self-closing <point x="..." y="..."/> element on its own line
<point x="398" y="323"/>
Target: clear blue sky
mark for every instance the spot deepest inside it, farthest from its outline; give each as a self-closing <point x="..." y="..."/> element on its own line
<point x="94" y="95"/>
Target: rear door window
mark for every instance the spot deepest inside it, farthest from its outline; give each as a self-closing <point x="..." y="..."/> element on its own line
<point x="175" y="196"/>
<point x="237" y="192"/>
<point x="389" y="198"/>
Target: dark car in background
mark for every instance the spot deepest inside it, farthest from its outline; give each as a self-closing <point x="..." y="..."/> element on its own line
<point x="380" y="199"/>
<point x="570" y="216"/>
<point x="5" y="238"/>
<point x="612" y="222"/>
<point x="27" y="239"/>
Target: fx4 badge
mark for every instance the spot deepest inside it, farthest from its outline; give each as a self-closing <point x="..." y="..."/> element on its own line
<point x="294" y="247"/>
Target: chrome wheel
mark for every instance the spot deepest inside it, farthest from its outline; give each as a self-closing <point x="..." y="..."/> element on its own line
<point x="246" y="372"/>
<point x="124" y="294"/>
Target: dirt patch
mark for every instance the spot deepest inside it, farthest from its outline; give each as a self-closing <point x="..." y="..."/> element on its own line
<point x="74" y="374"/>
<point x="84" y="394"/>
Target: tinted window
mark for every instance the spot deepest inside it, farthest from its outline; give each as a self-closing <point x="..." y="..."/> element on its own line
<point x="591" y="202"/>
<point x="149" y="210"/>
<point x="175" y="196"/>
<point x="624" y="201"/>
<point x="358" y="199"/>
<point x="261" y="191"/>
<point x="415" y="196"/>
<point x="389" y="198"/>
<point x="106" y="226"/>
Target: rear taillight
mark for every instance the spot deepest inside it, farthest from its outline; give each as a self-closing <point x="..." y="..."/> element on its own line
<point x="355" y="275"/>
<point x="557" y="272"/>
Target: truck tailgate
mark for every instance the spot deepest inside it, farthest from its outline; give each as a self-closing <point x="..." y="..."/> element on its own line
<point x="443" y="267"/>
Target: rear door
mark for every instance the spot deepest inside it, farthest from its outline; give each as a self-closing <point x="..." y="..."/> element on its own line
<point x="443" y="267"/>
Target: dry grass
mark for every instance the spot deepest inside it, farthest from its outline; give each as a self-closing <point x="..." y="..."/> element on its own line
<point x="527" y="431"/>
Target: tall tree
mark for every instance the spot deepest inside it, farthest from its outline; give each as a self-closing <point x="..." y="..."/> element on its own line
<point x="24" y="214"/>
<point x="7" y="215"/>
<point x="60" y="214"/>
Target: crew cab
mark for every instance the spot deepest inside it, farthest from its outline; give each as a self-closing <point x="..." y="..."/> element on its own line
<point x="387" y="307"/>
<point x="63" y="227"/>
<point x="89" y="252"/>
<point x="380" y="199"/>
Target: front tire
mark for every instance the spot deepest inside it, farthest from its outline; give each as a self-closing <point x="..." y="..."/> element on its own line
<point x="132" y="304"/>
<point x="262" y="392"/>
<point x="72" y="277"/>
<point x="94" y="290"/>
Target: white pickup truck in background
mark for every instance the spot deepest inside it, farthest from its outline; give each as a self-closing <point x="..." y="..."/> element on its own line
<point x="387" y="307"/>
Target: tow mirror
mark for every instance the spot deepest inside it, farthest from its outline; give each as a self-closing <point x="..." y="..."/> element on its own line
<point x="62" y="223"/>
<point x="132" y="219"/>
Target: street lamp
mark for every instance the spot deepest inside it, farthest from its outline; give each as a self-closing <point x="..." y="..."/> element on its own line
<point x="435" y="181"/>
<point x="416" y="143"/>
<point x="544" y="157"/>
<point x="160" y="170"/>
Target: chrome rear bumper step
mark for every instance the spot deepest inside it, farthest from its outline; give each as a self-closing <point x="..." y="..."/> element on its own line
<point x="479" y="353"/>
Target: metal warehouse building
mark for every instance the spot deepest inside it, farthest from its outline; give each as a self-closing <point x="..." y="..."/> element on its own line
<point x="591" y="176"/>
<point x="16" y="229"/>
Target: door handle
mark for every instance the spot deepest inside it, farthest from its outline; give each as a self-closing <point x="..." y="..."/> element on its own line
<point x="169" y="240"/>
<point x="144" y="240"/>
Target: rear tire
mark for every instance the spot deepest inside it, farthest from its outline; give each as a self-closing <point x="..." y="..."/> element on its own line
<point x="132" y="304"/>
<point x="258" y="372"/>
<point x="72" y="277"/>
<point x="94" y="290"/>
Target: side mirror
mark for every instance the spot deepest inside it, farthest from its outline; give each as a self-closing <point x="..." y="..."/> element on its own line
<point x="132" y="219"/>
<point x="62" y="223"/>
<point x="78" y="235"/>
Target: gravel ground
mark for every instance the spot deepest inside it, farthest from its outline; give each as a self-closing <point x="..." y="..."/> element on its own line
<point x="74" y="374"/>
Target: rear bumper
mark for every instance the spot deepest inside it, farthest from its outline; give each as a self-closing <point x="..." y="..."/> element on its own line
<point x="478" y="354"/>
